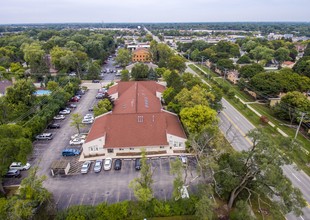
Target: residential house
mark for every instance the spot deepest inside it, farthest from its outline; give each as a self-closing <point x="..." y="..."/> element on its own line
<point x="288" y="64"/>
<point x="233" y="76"/>
<point x="137" y="121"/>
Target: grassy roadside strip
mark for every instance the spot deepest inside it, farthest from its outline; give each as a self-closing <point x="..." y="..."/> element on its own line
<point x="262" y="109"/>
<point x="296" y="155"/>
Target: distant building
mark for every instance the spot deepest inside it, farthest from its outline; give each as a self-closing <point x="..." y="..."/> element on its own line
<point x="137" y="121"/>
<point x="3" y="85"/>
<point x="141" y="55"/>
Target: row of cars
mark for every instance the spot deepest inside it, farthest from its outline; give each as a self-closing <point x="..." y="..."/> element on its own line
<point x="107" y="165"/>
<point x="76" y="139"/>
<point x="54" y="125"/>
<point x="16" y="168"/>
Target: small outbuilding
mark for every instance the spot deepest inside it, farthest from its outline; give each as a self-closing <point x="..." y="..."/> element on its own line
<point x="60" y="167"/>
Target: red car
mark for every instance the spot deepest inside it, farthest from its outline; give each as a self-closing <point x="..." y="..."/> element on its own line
<point x="74" y="99"/>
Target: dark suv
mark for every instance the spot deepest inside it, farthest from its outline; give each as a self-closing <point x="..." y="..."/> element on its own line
<point x="138" y="164"/>
<point x="53" y="126"/>
<point x="118" y="164"/>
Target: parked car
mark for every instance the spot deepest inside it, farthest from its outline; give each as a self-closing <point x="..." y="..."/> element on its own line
<point x="99" y="96"/>
<point x="74" y="99"/>
<point x="87" y="121"/>
<point x="85" y="166"/>
<point x="89" y="116"/>
<point x="72" y="105"/>
<point x="12" y="173"/>
<point x="53" y="126"/>
<point x="45" y="136"/>
<point x="91" y="109"/>
<point x="77" y="141"/>
<point x="96" y="81"/>
<point x="59" y="117"/>
<point x="65" y="112"/>
<point x="118" y="164"/>
<point x="80" y="136"/>
<point x="183" y="159"/>
<point x="107" y="164"/>
<point x="70" y="152"/>
<point x="138" y="164"/>
<point x="19" y="166"/>
<point x="98" y="166"/>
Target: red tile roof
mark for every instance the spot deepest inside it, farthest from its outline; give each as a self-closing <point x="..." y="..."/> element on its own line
<point x="137" y="118"/>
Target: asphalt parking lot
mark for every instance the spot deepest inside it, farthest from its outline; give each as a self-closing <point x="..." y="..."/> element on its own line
<point x="94" y="188"/>
<point x="110" y="186"/>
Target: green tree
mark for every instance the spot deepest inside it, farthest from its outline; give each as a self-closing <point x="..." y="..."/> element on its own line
<point x="142" y="185"/>
<point x="302" y="66"/>
<point x="282" y="54"/>
<point x="195" y="96"/>
<point x="225" y="64"/>
<point x="249" y="71"/>
<point x="249" y="45"/>
<point x="177" y="171"/>
<point x="177" y="63"/>
<point x="125" y="75"/>
<point x="33" y="55"/>
<point x="152" y="75"/>
<point x="14" y="145"/>
<point x="102" y="107"/>
<point x="262" y="53"/>
<point x="255" y="173"/>
<point x="244" y="59"/>
<point x="139" y="71"/>
<point x="76" y="122"/>
<point x="123" y="57"/>
<point x="197" y="118"/>
<point x="93" y="71"/>
<point x="22" y="92"/>
<point x="291" y="106"/>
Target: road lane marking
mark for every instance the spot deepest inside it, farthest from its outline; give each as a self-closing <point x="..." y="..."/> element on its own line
<point x="241" y="132"/>
<point x="296" y="177"/>
<point x="301" y="217"/>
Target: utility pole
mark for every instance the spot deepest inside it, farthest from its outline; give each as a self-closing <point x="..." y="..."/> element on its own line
<point x="302" y="118"/>
<point x="202" y="60"/>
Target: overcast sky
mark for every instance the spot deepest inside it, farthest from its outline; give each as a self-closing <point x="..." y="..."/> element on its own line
<point x="58" y="11"/>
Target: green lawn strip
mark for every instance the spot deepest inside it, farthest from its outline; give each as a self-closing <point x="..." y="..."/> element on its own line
<point x="264" y="110"/>
<point x="206" y="69"/>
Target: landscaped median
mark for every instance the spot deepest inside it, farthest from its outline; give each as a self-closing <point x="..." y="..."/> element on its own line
<point x="253" y="112"/>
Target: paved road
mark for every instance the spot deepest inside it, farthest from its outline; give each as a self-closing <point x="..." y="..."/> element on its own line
<point x="235" y="126"/>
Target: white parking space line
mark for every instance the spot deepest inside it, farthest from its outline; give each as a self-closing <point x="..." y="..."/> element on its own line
<point x="94" y="198"/>
<point x="69" y="201"/>
<point x="118" y="195"/>
<point x="81" y="202"/>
